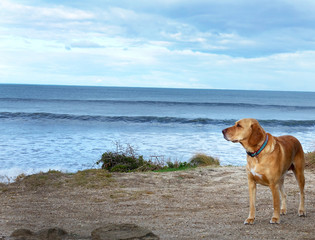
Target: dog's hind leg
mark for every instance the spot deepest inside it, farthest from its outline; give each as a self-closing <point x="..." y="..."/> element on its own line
<point x="283" y="209"/>
<point x="298" y="171"/>
<point x="299" y="175"/>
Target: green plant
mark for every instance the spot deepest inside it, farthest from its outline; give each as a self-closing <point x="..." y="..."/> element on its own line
<point x="170" y="164"/>
<point x="125" y="159"/>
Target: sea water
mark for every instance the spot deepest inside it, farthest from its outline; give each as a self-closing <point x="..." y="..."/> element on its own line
<point x="69" y="127"/>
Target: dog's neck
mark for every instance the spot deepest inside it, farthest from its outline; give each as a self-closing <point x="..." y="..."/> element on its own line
<point x="259" y="150"/>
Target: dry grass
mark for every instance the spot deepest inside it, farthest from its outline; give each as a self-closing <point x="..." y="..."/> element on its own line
<point x="91" y="178"/>
<point x="201" y="159"/>
<point x="310" y="160"/>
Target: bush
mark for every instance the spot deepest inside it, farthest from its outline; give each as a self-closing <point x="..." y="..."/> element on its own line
<point x="171" y="164"/>
<point x="125" y="159"/>
<point x="201" y="159"/>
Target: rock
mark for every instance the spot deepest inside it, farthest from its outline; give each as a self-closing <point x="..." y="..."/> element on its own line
<point x="46" y="234"/>
<point x="122" y="231"/>
<point x="51" y="234"/>
<point x="22" y="233"/>
<point x="107" y="232"/>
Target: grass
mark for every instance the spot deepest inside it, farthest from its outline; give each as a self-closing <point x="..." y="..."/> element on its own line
<point x="168" y="169"/>
<point x="35" y="181"/>
<point x="91" y="178"/>
<point x="198" y="160"/>
<point x="100" y="178"/>
<point x="201" y="159"/>
<point x="95" y="178"/>
<point x="310" y="160"/>
<point x="125" y="159"/>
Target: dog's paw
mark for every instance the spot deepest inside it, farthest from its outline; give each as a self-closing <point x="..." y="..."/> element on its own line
<point x="249" y="221"/>
<point x="302" y="213"/>
<point x="283" y="211"/>
<point x="275" y="220"/>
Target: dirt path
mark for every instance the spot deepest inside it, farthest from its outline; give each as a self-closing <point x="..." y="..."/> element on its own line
<point x="204" y="203"/>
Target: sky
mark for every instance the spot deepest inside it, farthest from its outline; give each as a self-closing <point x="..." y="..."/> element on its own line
<point x="212" y="44"/>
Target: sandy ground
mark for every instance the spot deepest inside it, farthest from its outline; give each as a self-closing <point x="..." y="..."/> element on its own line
<point x="204" y="203"/>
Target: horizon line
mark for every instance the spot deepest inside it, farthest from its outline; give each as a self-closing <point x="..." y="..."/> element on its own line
<point x="144" y="87"/>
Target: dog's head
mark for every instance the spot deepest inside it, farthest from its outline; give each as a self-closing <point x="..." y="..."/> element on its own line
<point x="246" y="131"/>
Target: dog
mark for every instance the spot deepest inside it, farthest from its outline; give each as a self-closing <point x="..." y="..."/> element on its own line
<point x="268" y="160"/>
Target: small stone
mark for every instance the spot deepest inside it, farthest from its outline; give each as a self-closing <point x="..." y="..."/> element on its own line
<point x="121" y="232"/>
<point x="51" y="234"/>
<point x="21" y="233"/>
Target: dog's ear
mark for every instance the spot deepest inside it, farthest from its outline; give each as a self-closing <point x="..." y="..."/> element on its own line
<point x="257" y="134"/>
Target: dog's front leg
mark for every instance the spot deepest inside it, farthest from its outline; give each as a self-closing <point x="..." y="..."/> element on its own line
<point x="252" y="200"/>
<point x="276" y="203"/>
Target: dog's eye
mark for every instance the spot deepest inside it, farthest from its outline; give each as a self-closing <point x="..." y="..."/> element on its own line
<point x="238" y="125"/>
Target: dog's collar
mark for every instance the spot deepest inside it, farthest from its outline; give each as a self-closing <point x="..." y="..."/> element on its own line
<point x="254" y="154"/>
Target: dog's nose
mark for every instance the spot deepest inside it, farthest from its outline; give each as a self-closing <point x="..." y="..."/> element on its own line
<point x="224" y="131"/>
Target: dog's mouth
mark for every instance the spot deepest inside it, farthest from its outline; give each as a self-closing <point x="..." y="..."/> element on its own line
<point x="230" y="140"/>
<point x="227" y="138"/>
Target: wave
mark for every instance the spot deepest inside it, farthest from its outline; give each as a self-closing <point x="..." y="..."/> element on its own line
<point x="164" y="103"/>
<point x="147" y="119"/>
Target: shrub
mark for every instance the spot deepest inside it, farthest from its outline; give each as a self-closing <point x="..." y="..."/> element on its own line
<point x="201" y="159"/>
<point x="125" y="159"/>
<point x="170" y="164"/>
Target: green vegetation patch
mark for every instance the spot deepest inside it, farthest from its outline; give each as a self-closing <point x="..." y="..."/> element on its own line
<point x="125" y="159"/>
<point x="175" y="166"/>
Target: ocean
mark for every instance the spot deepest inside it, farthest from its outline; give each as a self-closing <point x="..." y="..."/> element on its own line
<point x="68" y="128"/>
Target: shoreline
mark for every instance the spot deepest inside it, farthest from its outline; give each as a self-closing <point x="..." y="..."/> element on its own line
<point x="201" y="203"/>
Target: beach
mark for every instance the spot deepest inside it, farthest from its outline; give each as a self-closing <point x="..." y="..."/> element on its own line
<point x="202" y="203"/>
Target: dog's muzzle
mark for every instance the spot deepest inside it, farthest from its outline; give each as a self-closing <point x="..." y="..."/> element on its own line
<point x="224" y="131"/>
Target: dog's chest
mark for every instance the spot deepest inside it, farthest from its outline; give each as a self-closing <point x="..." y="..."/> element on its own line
<point x="257" y="173"/>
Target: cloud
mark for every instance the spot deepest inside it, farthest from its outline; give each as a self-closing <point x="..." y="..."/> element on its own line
<point x="13" y="12"/>
<point x="83" y="44"/>
<point x="219" y="44"/>
<point x="236" y="29"/>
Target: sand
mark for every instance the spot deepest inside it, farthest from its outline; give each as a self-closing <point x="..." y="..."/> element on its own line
<point x="203" y="203"/>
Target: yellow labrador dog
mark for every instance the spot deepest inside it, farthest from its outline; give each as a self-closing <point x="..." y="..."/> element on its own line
<point x="268" y="160"/>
